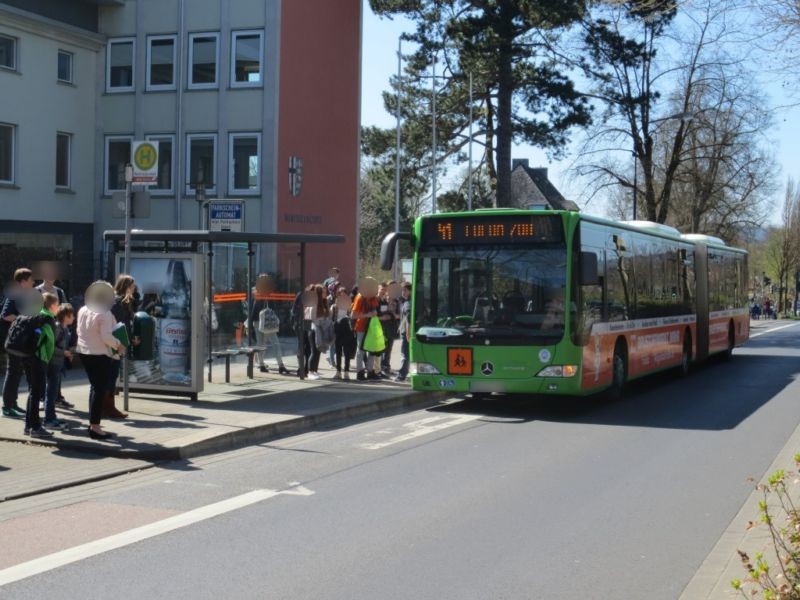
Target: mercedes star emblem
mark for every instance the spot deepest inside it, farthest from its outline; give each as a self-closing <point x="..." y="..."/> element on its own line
<point x="487" y="368"/>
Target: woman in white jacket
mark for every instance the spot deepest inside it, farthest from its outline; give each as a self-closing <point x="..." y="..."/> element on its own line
<point x="96" y="344"/>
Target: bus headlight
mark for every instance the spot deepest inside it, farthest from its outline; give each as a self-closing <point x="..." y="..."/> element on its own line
<point x="424" y="369"/>
<point x="559" y="371"/>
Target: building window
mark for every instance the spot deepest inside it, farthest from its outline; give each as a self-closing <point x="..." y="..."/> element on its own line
<point x="118" y="154"/>
<point x="65" y="66"/>
<point x="203" y="59"/>
<point x="165" y="163"/>
<point x="201" y="161"/>
<point x="119" y="69"/>
<point x="8" y="52"/>
<point x="161" y="62"/>
<point x="7" y="132"/>
<point x="247" y="48"/>
<point x="63" y="160"/>
<point x="245" y="163"/>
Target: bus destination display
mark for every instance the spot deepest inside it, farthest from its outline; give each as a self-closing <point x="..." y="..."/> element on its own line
<point x="493" y="229"/>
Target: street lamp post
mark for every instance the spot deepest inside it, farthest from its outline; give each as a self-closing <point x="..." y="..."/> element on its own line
<point x="127" y="269"/>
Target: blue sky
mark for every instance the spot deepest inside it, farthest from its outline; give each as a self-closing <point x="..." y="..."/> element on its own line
<point x="379" y="63"/>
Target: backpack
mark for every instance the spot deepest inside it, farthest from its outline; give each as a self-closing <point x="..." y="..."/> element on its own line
<point x="326" y="335"/>
<point x="268" y="321"/>
<point x="23" y="335"/>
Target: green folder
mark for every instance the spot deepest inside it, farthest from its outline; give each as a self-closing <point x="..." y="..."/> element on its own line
<point x="121" y="333"/>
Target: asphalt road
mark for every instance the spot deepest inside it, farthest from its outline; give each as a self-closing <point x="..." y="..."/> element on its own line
<point x="515" y="498"/>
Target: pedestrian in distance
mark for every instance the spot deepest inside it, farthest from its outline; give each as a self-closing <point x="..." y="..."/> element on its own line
<point x="389" y="315"/>
<point x="261" y="317"/>
<point x="345" y="344"/>
<point x="96" y="345"/>
<point x="404" y="331"/>
<point x="15" y="366"/>
<point x="39" y="362"/>
<point x="48" y="275"/>
<point x="319" y="314"/>
<point x="124" y="308"/>
<point x="365" y="306"/>
<point x="65" y="317"/>
<point x="331" y="285"/>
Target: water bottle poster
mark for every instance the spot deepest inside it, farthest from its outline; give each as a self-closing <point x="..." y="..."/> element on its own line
<point x="165" y="293"/>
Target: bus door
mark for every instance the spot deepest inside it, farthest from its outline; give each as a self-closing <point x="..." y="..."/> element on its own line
<point x="701" y="300"/>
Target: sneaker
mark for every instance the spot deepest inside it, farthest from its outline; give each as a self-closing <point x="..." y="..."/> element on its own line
<point x="313" y="375"/>
<point x="38" y="432"/>
<point x="372" y="375"/>
<point x="399" y="378"/>
<point x="62" y="403"/>
<point x="14" y="412"/>
<point x="263" y="369"/>
<point x="55" y="424"/>
<point x="347" y="374"/>
<point x="362" y="376"/>
<point x="338" y="375"/>
<point x="330" y="362"/>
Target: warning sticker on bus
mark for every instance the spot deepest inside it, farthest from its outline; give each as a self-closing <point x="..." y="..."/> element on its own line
<point x="459" y="361"/>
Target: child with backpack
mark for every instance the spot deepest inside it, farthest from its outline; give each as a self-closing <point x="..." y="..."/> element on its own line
<point x="15" y="366"/>
<point x="43" y="334"/>
<point x="65" y="317"/>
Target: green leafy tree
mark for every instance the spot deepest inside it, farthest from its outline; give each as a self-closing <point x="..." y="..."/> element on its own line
<point x="520" y="92"/>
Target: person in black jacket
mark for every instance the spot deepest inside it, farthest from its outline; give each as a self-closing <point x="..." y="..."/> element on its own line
<point x="123" y="309"/>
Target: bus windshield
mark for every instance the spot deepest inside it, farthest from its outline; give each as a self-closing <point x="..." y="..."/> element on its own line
<point x="506" y="294"/>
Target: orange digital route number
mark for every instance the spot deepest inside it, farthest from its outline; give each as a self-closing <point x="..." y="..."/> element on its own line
<point x="459" y="361"/>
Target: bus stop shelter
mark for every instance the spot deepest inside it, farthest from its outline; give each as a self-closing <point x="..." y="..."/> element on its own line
<point x="200" y="242"/>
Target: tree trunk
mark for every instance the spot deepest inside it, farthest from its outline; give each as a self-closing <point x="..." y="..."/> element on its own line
<point x="505" y="90"/>
<point x="489" y="148"/>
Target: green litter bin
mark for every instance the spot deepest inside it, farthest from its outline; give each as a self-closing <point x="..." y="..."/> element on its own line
<point x="144" y="327"/>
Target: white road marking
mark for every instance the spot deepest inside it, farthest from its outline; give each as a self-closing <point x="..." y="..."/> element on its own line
<point x="422" y="427"/>
<point x="774" y="329"/>
<point x="119" y="540"/>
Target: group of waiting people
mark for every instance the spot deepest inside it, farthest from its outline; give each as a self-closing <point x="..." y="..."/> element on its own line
<point x="333" y="320"/>
<point x="61" y="334"/>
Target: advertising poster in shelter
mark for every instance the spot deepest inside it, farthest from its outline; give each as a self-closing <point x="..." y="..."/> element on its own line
<point x="167" y="285"/>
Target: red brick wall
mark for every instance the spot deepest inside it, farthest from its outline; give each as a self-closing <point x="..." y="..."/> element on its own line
<point x="318" y="120"/>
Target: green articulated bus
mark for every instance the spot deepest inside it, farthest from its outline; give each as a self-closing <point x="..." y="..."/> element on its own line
<point x="559" y="302"/>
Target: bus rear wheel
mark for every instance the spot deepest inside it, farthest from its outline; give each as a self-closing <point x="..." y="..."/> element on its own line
<point x="731" y="343"/>
<point x="619" y="373"/>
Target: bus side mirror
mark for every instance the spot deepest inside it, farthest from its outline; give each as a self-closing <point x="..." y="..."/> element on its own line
<point x="388" y="245"/>
<point x="589" y="269"/>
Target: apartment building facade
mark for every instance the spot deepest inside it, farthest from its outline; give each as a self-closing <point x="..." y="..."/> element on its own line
<point x="232" y="91"/>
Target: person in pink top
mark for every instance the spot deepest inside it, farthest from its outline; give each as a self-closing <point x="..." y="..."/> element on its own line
<point x="95" y="346"/>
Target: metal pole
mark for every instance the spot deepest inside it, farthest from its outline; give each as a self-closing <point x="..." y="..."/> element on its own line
<point x="397" y="161"/>
<point x="210" y="307"/>
<point x="433" y="141"/>
<point x="635" y="185"/>
<point x="469" y="180"/>
<point x="125" y="269"/>
<point x="251" y="334"/>
<point x="299" y="318"/>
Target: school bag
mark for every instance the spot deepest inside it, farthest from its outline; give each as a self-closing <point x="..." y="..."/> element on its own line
<point x="23" y="335"/>
<point x="325" y="334"/>
<point x="268" y="321"/>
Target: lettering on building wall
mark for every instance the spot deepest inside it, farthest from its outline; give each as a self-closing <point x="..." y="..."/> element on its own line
<point x="312" y="219"/>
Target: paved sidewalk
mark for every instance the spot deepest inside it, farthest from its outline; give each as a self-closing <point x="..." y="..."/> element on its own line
<point x="226" y="416"/>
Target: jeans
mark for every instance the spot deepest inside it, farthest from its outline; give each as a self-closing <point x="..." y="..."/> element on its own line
<point x="54" y="371"/>
<point x="313" y="358"/>
<point x="97" y="368"/>
<point x="387" y="355"/>
<point x="38" y="370"/>
<point x="270" y="341"/>
<point x="404" y="358"/>
<point x="362" y="356"/>
<point x="15" y="367"/>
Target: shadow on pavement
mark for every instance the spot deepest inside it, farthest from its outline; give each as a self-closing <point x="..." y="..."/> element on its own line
<point x="716" y="395"/>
